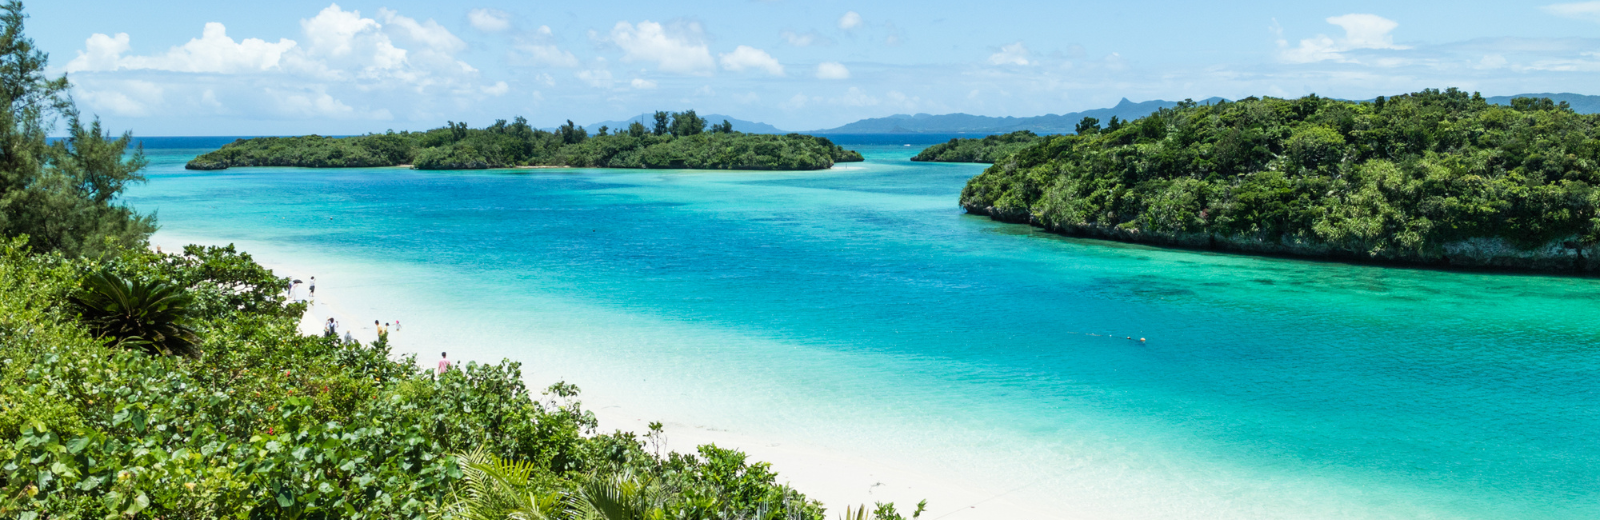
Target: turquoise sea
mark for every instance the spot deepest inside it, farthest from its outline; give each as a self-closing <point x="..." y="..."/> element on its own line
<point x="860" y="306"/>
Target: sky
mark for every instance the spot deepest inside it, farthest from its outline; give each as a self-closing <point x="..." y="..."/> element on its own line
<point x="289" y="67"/>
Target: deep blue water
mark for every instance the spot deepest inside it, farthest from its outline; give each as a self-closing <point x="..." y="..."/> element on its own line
<point x="861" y="306"/>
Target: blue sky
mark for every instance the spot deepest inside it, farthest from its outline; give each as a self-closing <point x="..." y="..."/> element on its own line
<point x="300" y="66"/>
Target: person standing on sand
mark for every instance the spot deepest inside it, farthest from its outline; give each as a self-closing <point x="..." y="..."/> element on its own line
<point x="331" y="329"/>
<point x="313" y="287"/>
<point x="444" y="362"/>
<point x="383" y="332"/>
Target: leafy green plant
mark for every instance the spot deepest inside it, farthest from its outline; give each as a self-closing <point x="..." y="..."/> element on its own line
<point x="138" y="315"/>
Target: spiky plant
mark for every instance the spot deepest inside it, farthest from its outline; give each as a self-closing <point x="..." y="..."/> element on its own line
<point x="622" y="497"/>
<point x="498" y="489"/>
<point x="148" y="316"/>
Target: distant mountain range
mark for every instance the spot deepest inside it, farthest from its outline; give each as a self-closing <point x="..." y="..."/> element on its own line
<point x="1045" y="124"/>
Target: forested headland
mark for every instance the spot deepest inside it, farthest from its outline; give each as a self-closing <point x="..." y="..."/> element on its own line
<point x="142" y="384"/>
<point x="983" y="150"/>
<point x="675" y="140"/>
<point x="1433" y="177"/>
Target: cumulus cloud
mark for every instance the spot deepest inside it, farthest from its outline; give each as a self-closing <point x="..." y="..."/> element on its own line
<point x="649" y="41"/>
<point x="541" y="54"/>
<point x="489" y="20"/>
<point x="500" y="88"/>
<point x="213" y="51"/>
<point x="1588" y="11"/>
<point x="806" y="39"/>
<point x="341" y="62"/>
<point x="832" y="70"/>
<point x="850" y="20"/>
<point x="1361" y="31"/>
<point x="124" y="98"/>
<point x="747" y="57"/>
<point x="1013" y="54"/>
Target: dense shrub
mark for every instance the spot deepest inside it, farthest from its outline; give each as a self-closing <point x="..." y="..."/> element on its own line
<point x="272" y="424"/>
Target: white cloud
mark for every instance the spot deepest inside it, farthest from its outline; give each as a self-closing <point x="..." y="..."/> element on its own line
<point x="489" y="20"/>
<point x="596" y="77"/>
<point x="428" y="34"/>
<point x="540" y="54"/>
<point x="643" y="84"/>
<point x="1588" y="11"/>
<point x="1013" y="54"/>
<point x="500" y="88"/>
<point x="1362" y="31"/>
<point x="795" y="103"/>
<point x="649" y="41"/>
<point x="213" y="51"/>
<point x="855" y="98"/>
<point x="805" y="40"/>
<point x="124" y="98"/>
<point x="832" y="70"/>
<point x="850" y="20"/>
<point x="747" y="57"/>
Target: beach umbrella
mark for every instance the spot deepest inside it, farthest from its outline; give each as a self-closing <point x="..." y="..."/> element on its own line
<point x="298" y="281"/>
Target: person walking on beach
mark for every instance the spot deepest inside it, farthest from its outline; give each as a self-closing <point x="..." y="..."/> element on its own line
<point x="444" y="362"/>
<point x="312" y="287"/>
<point x="383" y="332"/>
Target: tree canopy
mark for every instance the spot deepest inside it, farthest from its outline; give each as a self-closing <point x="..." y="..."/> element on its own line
<point x="1433" y="177"/>
<point x="61" y="195"/>
<point x="680" y="141"/>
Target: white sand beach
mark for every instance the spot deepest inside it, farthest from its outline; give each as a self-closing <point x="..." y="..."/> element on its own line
<point x="838" y="476"/>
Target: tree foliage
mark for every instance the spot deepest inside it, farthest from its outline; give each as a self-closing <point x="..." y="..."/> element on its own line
<point x="1410" y="177"/>
<point x="62" y="196"/>
<point x="988" y="149"/>
<point x="680" y="141"/>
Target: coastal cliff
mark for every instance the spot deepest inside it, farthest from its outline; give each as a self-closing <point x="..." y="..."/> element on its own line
<point x="1431" y="178"/>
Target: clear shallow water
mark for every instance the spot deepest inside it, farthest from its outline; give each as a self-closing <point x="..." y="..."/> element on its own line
<point x="861" y="307"/>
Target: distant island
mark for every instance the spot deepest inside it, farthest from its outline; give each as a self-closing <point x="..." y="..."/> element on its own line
<point x="959" y="123"/>
<point x="1434" y="177"/>
<point x="675" y="140"/>
<point x="981" y="150"/>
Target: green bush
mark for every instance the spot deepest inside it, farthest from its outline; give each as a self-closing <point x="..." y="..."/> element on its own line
<point x="272" y="424"/>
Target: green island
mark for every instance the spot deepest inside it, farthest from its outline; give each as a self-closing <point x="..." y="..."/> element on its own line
<point x="985" y="150"/>
<point x="1440" y="178"/>
<point x="675" y="140"/>
<point x="142" y="384"/>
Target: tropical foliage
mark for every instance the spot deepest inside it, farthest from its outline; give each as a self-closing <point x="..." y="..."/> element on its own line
<point x="61" y="195"/>
<point x="985" y="150"/>
<point x="1422" y="177"/>
<point x="678" y="140"/>
<point x="273" y="424"/>
<point x="144" y="315"/>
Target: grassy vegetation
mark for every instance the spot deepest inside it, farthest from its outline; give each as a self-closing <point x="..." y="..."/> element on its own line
<point x="1408" y="178"/>
<point x="678" y="141"/>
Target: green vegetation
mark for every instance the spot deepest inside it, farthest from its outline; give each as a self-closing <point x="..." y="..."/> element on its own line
<point x="268" y="423"/>
<point x="986" y="150"/>
<point x="1432" y="177"/>
<point x="677" y="140"/>
<point x="136" y="384"/>
<point x="60" y="195"/>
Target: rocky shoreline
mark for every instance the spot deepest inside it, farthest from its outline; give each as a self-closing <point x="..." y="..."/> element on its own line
<point x="1557" y="256"/>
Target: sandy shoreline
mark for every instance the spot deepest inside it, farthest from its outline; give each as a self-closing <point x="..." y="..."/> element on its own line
<point x="837" y="477"/>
